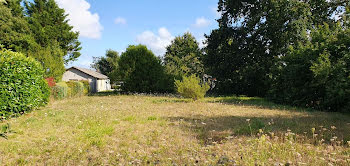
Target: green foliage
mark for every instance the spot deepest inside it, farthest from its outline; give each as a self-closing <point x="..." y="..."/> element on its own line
<point x="15" y="33"/>
<point x="76" y="88"/>
<point x="86" y="86"/>
<point x="64" y="90"/>
<point x="251" y="37"/>
<point x="60" y="91"/>
<point x="51" y="59"/>
<point x="22" y="87"/>
<point x="191" y="87"/>
<point x="107" y="65"/>
<point x="49" y="25"/>
<point x="36" y="34"/>
<point x="266" y="48"/>
<point x="183" y="57"/>
<point x="141" y="71"/>
<point x="316" y="74"/>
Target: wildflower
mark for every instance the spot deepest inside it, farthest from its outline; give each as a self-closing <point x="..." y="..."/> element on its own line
<point x="313" y="130"/>
<point x="260" y="131"/>
<point x="348" y="143"/>
<point x="333" y="127"/>
<point x="248" y="120"/>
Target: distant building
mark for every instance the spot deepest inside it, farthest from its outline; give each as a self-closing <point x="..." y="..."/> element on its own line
<point x="98" y="82"/>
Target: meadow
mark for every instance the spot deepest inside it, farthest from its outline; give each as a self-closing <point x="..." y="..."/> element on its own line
<point x="151" y="130"/>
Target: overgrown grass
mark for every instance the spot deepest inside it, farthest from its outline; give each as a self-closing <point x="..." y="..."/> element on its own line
<point x="144" y="130"/>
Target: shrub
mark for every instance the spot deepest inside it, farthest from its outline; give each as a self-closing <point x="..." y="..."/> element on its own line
<point x="86" y="86"/>
<point x="60" y="91"/>
<point x="191" y="87"/>
<point x="51" y="81"/>
<point x="22" y="85"/>
<point x="76" y="88"/>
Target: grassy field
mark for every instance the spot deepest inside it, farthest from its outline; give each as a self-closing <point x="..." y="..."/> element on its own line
<point x="144" y="130"/>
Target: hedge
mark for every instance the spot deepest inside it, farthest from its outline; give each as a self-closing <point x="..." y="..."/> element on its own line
<point x="76" y="88"/>
<point x="68" y="89"/>
<point x="22" y="84"/>
<point x="86" y="86"/>
<point x="60" y="91"/>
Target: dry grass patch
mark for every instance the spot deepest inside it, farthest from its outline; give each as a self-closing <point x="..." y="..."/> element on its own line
<point x="141" y="130"/>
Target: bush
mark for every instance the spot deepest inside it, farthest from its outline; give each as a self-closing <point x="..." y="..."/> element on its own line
<point x="22" y="85"/>
<point x="142" y="72"/>
<point x="86" y="86"/>
<point x="60" y="91"/>
<point x="76" y="89"/>
<point x="190" y="87"/>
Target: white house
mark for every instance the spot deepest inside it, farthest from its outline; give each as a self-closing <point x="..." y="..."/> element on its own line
<point x="98" y="82"/>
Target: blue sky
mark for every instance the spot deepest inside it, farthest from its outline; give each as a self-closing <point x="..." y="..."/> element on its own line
<point x="115" y="24"/>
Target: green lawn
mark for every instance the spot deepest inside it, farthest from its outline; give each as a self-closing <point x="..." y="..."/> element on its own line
<point x="143" y="130"/>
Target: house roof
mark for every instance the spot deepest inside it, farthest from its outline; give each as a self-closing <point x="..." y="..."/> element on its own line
<point x="90" y="72"/>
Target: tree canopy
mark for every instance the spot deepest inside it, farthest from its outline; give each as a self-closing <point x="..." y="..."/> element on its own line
<point x="253" y="35"/>
<point x="141" y="71"/>
<point x="107" y="65"/>
<point x="183" y="57"/>
<point x="40" y="29"/>
<point x="293" y="51"/>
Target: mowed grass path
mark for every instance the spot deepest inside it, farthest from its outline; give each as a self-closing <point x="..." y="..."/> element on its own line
<point x="141" y="130"/>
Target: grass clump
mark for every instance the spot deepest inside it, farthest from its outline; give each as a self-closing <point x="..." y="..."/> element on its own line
<point x="191" y="87"/>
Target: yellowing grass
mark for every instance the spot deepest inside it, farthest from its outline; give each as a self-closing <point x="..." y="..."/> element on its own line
<point x="141" y="130"/>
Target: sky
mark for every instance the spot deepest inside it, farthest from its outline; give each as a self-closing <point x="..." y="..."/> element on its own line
<point x="116" y="24"/>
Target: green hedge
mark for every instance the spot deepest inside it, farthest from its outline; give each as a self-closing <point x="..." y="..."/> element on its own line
<point x="22" y="85"/>
<point x="76" y="89"/>
<point x="86" y="86"/>
<point x="68" y="89"/>
<point x="60" y="91"/>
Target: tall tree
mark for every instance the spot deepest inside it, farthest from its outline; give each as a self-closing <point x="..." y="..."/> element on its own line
<point x="107" y="65"/>
<point x="183" y="57"/>
<point x="141" y="71"/>
<point x="254" y="35"/>
<point x="49" y="24"/>
<point x="15" y="33"/>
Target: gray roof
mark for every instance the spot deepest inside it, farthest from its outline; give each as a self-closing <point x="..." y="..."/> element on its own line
<point x="90" y="72"/>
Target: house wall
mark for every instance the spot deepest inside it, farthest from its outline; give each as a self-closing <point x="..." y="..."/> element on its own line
<point x="76" y="75"/>
<point x="103" y="85"/>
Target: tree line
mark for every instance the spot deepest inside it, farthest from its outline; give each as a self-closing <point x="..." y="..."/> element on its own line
<point x="293" y="52"/>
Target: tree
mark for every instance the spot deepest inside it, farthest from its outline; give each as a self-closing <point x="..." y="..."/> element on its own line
<point x="50" y="26"/>
<point x="15" y="33"/>
<point x="183" y="57"/>
<point x="253" y="36"/>
<point x="317" y="73"/>
<point x="141" y="71"/>
<point x="107" y="65"/>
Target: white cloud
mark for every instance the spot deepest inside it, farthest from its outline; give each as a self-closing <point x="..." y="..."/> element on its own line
<point x="202" y="22"/>
<point x="156" y="42"/>
<point x="83" y="21"/>
<point x="216" y="13"/>
<point x="201" y="42"/>
<point x="120" y="20"/>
